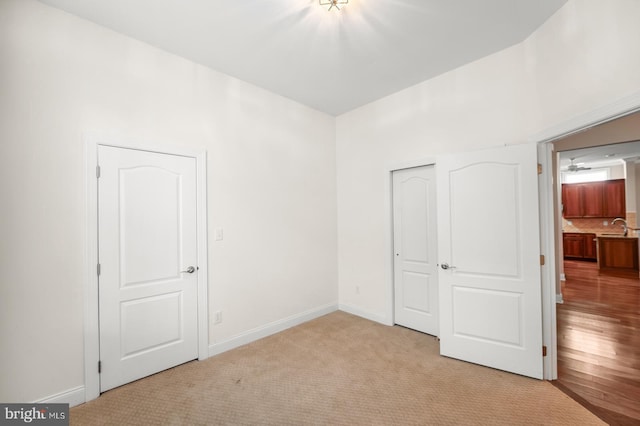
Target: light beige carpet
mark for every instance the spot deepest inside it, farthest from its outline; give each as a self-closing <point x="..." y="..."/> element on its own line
<point x="335" y="370"/>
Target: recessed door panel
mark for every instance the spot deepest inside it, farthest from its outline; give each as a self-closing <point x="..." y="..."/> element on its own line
<point x="494" y="248"/>
<point x="150" y="242"/>
<point x="415" y="217"/>
<point x="165" y="312"/>
<point x="501" y="312"/>
<point x="416" y="295"/>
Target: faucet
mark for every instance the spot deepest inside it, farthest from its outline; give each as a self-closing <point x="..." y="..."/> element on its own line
<point x="624" y="224"/>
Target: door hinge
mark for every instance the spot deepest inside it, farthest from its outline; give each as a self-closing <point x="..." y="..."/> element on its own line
<point x="542" y="259"/>
<point x="539" y="168"/>
<point x="544" y="351"/>
<point x="98" y="171"/>
<point x="98" y="269"/>
<point x="99" y="366"/>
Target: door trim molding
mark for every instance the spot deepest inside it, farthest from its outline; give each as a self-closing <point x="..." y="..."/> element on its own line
<point x="389" y="318"/>
<point x="599" y="115"/>
<point x="91" y="325"/>
<point x="548" y="271"/>
<point x="622" y="106"/>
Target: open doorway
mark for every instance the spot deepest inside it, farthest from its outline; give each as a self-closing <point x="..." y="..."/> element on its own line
<point x="598" y="319"/>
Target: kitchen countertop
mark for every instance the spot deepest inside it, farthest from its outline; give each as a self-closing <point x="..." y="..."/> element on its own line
<point x="603" y="235"/>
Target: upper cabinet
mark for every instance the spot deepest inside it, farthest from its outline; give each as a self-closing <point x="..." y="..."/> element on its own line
<point x="572" y="196"/>
<point x="614" y="201"/>
<point x="594" y="199"/>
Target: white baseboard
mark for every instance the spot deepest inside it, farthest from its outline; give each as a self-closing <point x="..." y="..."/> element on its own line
<point x="559" y="298"/>
<point x="72" y="397"/>
<point x="364" y="314"/>
<point x="271" y="328"/>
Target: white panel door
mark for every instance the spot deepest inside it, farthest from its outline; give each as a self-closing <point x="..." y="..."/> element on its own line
<point x="488" y="237"/>
<point x="415" y="246"/>
<point x="147" y="239"/>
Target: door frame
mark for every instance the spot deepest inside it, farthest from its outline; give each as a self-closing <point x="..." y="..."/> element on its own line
<point x="91" y="300"/>
<point x="549" y="237"/>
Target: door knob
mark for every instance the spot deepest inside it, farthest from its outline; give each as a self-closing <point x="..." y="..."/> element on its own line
<point x="446" y="266"/>
<point x="190" y="270"/>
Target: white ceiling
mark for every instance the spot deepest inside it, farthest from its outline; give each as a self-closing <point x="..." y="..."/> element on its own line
<point x="330" y="61"/>
<point x="601" y="156"/>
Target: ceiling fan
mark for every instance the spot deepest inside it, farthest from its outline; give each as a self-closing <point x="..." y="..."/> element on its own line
<point x="575" y="167"/>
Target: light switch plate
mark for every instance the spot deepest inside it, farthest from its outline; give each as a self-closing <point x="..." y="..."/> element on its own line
<point x="219" y="234"/>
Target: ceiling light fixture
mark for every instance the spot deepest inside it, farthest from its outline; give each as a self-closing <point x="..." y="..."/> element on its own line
<point x="333" y="3"/>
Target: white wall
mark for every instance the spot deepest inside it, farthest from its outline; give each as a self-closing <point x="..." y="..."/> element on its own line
<point x="271" y="186"/>
<point x="583" y="57"/>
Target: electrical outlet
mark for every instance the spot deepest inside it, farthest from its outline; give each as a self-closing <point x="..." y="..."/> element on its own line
<point x="217" y="317"/>
<point x="605" y="223"/>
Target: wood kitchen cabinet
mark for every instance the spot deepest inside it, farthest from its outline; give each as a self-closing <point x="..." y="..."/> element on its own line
<point x="593" y="199"/>
<point x="604" y="199"/>
<point x="578" y="245"/>
<point x="590" y="247"/>
<point x="571" y="200"/>
<point x="618" y="253"/>
<point x="614" y="198"/>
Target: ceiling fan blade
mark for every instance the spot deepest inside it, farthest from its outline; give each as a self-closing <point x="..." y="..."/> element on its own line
<point x="575" y="167"/>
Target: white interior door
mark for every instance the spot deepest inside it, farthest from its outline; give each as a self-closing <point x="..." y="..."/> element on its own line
<point x="147" y="238"/>
<point x="415" y="246"/>
<point x="488" y="236"/>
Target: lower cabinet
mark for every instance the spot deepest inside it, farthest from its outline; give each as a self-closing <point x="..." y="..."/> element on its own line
<point x="579" y="246"/>
<point x="618" y="253"/>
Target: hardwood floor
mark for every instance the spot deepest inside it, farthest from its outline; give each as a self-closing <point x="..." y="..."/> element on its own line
<point x="599" y="341"/>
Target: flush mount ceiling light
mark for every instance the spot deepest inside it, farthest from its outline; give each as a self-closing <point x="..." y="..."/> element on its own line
<point x="333" y="3"/>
